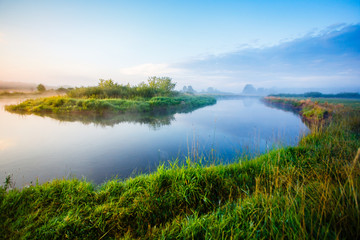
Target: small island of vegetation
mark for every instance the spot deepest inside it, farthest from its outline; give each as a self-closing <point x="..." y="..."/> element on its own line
<point x="158" y="95"/>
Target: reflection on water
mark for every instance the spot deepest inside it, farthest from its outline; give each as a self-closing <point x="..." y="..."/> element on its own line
<point x="153" y="120"/>
<point x="101" y="147"/>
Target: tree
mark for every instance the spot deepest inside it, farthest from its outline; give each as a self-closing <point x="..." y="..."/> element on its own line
<point x="249" y="89"/>
<point x="162" y="84"/>
<point x="107" y="83"/>
<point x="143" y="90"/>
<point x="41" y="88"/>
<point x="210" y="90"/>
<point x="188" y="89"/>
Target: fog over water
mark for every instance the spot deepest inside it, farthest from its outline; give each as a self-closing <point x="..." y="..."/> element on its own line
<point x="42" y="147"/>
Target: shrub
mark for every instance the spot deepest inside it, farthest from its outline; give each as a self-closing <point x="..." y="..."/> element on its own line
<point x="41" y="88"/>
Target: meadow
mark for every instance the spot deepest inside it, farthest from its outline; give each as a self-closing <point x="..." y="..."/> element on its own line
<point x="307" y="191"/>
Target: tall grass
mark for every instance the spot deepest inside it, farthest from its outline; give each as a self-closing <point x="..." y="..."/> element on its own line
<point x="306" y="192"/>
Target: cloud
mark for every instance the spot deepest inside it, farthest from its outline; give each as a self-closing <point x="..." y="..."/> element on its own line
<point x="326" y="59"/>
<point x="150" y="69"/>
<point x="329" y="58"/>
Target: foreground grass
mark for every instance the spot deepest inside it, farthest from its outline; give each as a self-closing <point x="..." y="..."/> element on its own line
<point x="308" y="191"/>
<point x="62" y="104"/>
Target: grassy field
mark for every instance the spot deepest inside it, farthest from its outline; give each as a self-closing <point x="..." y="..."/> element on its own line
<point x="63" y="104"/>
<point x="352" y="103"/>
<point x="314" y="112"/>
<point x="335" y="102"/>
<point x="310" y="191"/>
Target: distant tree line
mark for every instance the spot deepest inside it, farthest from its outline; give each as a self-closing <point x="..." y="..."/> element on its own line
<point x="190" y="90"/>
<point x="319" y="95"/>
<point x="249" y="89"/>
<point x="155" y="86"/>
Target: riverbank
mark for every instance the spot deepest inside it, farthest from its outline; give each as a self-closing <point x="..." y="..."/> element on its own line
<point x="314" y="113"/>
<point x="62" y="104"/>
<point x="308" y="191"/>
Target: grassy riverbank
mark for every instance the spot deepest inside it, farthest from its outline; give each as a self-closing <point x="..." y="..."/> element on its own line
<point x="101" y="106"/>
<point x="312" y="112"/>
<point x="308" y="191"/>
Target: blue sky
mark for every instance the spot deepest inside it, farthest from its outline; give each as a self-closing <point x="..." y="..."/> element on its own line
<point x="194" y="42"/>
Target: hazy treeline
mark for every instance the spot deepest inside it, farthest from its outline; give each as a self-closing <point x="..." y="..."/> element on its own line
<point x="318" y="95"/>
<point x="155" y="86"/>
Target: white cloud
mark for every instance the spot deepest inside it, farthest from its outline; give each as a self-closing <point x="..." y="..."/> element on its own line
<point x="150" y="69"/>
<point x="319" y="60"/>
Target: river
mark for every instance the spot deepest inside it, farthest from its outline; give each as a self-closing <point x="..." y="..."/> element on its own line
<point x="40" y="148"/>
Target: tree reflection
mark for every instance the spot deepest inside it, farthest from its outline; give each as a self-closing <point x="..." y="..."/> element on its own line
<point x="155" y="120"/>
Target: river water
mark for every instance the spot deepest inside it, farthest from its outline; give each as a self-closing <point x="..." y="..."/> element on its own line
<point x="40" y="148"/>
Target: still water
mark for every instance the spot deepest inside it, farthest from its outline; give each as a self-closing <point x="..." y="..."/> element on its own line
<point x="40" y="148"/>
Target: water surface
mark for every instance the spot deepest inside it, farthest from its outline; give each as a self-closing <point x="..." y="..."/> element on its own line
<point x="37" y="148"/>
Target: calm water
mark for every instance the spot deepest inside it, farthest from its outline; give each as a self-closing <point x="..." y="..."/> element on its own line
<point x="35" y="147"/>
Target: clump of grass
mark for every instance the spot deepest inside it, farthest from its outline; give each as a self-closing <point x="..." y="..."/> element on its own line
<point x="308" y="191"/>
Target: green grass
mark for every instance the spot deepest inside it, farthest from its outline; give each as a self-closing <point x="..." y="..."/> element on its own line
<point x="352" y="103"/>
<point x="312" y="112"/>
<point x="346" y="102"/>
<point x="310" y="191"/>
<point x="61" y="104"/>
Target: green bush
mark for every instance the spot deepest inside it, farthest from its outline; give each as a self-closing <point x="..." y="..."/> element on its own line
<point x="41" y="88"/>
<point x="156" y="86"/>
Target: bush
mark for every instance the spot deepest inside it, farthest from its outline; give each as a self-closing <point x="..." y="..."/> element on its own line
<point x="156" y="86"/>
<point x="41" y="88"/>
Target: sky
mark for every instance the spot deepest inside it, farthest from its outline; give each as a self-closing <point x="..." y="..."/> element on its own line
<point x="221" y="44"/>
